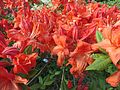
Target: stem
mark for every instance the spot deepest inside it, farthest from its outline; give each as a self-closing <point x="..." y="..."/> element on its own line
<point x="62" y="78"/>
<point x="73" y="80"/>
<point x="37" y="74"/>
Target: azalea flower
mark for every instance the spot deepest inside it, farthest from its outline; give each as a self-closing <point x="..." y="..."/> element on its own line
<point x="24" y="63"/>
<point x="69" y="84"/>
<point x="2" y="44"/>
<point x="80" y="58"/>
<point x="114" y="79"/>
<point x="111" y="44"/>
<point x="10" y="81"/>
<point x="61" y="49"/>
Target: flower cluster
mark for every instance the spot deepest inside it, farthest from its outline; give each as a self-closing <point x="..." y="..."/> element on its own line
<point x="68" y="32"/>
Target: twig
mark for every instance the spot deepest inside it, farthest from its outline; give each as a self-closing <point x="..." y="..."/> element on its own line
<point x="37" y="74"/>
<point x="62" y="77"/>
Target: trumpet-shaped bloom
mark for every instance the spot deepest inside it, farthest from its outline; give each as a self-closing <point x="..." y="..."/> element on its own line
<point x="111" y="44"/>
<point x="79" y="58"/>
<point x="61" y="48"/>
<point x="24" y="63"/>
<point x="114" y="79"/>
<point x="10" y="81"/>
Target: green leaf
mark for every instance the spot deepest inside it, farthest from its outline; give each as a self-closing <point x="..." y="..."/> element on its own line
<point x="52" y="76"/>
<point x="99" y="56"/>
<point x="57" y="72"/>
<point x="102" y="83"/>
<point x="102" y="50"/>
<point x="46" y="78"/>
<point x="93" y="86"/>
<point x="99" y="64"/>
<point x="48" y="82"/>
<point x="99" y="36"/>
<point x="111" y="69"/>
<point x="42" y="87"/>
<point x="40" y="80"/>
<point x="24" y="87"/>
<point x="32" y="73"/>
<point x="35" y="86"/>
<point x="74" y="88"/>
<point x="63" y="85"/>
<point x="28" y="50"/>
<point x="22" y="75"/>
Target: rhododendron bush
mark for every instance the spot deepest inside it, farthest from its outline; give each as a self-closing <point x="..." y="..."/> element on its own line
<point x="59" y="45"/>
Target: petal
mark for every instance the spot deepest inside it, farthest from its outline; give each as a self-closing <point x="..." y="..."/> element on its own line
<point x="19" y="79"/>
<point x="82" y="47"/>
<point x="60" y="59"/>
<point x="4" y="63"/>
<point x="7" y="80"/>
<point x="10" y="51"/>
<point x="115" y="55"/>
<point x="114" y="79"/>
<point x="57" y="49"/>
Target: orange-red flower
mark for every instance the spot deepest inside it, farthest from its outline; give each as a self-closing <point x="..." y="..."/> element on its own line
<point x="2" y="43"/>
<point x="10" y="51"/>
<point x="10" y="81"/>
<point x="4" y="63"/>
<point x="114" y="79"/>
<point x="24" y="63"/>
<point x="111" y="44"/>
<point x="61" y="48"/>
<point x="69" y="84"/>
<point x="80" y="58"/>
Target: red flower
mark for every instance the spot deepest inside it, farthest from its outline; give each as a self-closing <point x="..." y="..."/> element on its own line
<point x="4" y="63"/>
<point x="23" y="63"/>
<point x="69" y="84"/>
<point x="114" y="79"/>
<point x="80" y="58"/>
<point x="82" y="86"/>
<point x="61" y="48"/>
<point x="10" y="51"/>
<point x="111" y="44"/>
<point x="9" y="81"/>
<point x="2" y="43"/>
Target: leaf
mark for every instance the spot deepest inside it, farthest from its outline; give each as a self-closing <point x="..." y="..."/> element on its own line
<point x="99" y="36"/>
<point x="28" y="50"/>
<point x="52" y="76"/>
<point x="22" y="75"/>
<point x="74" y="88"/>
<point x="42" y="87"/>
<point x="57" y="72"/>
<point x="40" y="80"/>
<point x="99" y="64"/>
<point x="102" y="50"/>
<point x="63" y="86"/>
<point x="46" y="78"/>
<point x="35" y="86"/>
<point x="32" y="73"/>
<point x="48" y="82"/>
<point x="102" y="83"/>
<point x="93" y="85"/>
<point x="24" y="87"/>
<point x="111" y="69"/>
<point x="99" y="56"/>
